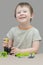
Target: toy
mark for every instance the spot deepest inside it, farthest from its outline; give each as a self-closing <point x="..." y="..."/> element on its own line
<point x="3" y="54"/>
<point x="30" y="55"/>
<point x="22" y="54"/>
<point x="6" y="40"/>
<point x="6" y="49"/>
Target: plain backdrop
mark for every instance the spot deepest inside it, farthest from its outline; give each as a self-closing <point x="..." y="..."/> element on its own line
<point x="7" y="20"/>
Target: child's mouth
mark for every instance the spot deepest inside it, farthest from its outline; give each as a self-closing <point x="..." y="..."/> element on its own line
<point x="22" y="17"/>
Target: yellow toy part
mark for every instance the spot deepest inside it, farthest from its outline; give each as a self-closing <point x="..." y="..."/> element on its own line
<point x="6" y="40"/>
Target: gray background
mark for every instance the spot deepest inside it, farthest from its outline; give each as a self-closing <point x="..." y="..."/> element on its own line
<point x="7" y="19"/>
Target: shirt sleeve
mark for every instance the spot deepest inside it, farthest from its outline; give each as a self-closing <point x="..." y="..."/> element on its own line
<point x="10" y="34"/>
<point x="36" y="35"/>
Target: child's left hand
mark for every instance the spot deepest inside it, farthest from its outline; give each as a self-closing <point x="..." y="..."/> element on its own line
<point x="15" y="50"/>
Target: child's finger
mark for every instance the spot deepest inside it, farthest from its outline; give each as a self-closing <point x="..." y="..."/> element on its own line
<point x="12" y="51"/>
<point x="12" y="48"/>
<point x="5" y="44"/>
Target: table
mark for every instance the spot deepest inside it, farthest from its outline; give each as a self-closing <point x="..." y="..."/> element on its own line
<point x="12" y="60"/>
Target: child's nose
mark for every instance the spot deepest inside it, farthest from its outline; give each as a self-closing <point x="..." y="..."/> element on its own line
<point x="21" y="14"/>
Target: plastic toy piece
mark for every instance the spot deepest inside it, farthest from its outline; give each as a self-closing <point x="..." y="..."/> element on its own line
<point x="3" y="54"/>
<point x="6" y="49"/>
<point x="6" y="40"/>
<point x="22" y="54"/>
<point x="32" y="55"/>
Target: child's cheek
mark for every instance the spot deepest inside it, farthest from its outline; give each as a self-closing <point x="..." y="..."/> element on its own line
<point x="17" y="15"/>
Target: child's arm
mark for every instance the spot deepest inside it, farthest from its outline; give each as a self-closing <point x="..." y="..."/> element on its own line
<point x="34" y="48"/>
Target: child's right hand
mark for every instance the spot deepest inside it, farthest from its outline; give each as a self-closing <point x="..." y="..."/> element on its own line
<point x="15" y="50"/>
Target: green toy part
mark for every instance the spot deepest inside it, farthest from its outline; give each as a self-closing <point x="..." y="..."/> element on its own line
<point x="33" y="53"/>
<point x="22" y="54"/>
<point x="25" y="54"/>
<point x="3" y="54"/>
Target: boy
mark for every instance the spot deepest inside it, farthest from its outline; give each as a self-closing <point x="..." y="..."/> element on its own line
<point x="24" y="37"/>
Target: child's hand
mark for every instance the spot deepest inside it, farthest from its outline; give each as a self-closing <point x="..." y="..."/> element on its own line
<point x="15" y="50"/>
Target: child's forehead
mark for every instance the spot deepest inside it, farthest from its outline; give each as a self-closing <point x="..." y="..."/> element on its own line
<point x="22" y="7"/>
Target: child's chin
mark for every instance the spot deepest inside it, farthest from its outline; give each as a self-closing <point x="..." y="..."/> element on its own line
<point x="22" y="21"/>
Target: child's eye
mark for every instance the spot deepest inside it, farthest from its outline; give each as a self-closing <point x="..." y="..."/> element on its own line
<point x="24" y="11"/>
<point x="18" y="12"/>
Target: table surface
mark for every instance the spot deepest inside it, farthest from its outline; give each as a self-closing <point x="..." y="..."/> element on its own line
<point x="12" y="60"/>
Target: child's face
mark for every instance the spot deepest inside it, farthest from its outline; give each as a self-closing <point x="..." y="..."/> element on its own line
<point x="23" y="14"/>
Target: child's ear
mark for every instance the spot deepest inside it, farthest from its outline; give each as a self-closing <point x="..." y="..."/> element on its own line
<point x="32" y="15"/>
